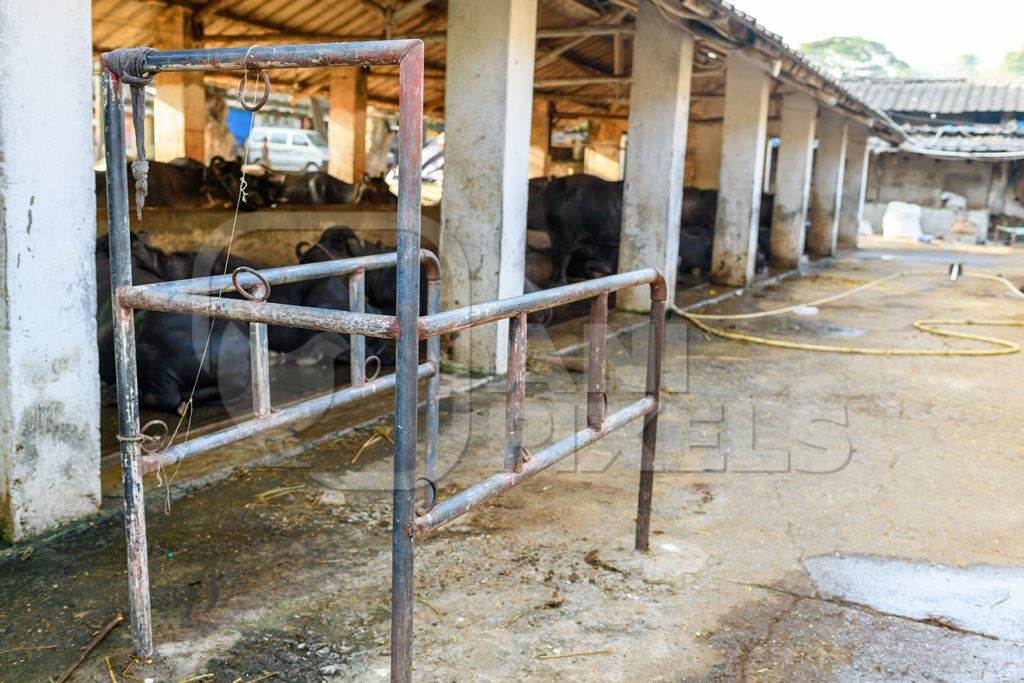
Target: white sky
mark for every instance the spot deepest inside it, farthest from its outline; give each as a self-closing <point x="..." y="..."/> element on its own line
<point x="923" y="33"/>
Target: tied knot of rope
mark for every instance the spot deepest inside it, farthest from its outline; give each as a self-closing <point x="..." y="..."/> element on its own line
<point x="128" y="65"/>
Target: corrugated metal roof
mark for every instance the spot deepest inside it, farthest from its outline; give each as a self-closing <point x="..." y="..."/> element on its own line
<point x="940" y="96"/>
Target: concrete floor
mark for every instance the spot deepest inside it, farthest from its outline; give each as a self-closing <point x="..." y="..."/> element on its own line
<point x="815" y="517"/>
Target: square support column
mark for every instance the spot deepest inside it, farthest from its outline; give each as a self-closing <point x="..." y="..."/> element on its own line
<point x="346" y="124"/>
<point x="744" y="136"/>
<point x="658" y="115"/>
<point x="488" y="101"/>
<point x="855" y="184"/>
<point x="540" y="138"/>
<point x="179" y="109"/>
<point x="49" y="379"/>
<point x="793" y="179"/>
<point x="827" y="187"/>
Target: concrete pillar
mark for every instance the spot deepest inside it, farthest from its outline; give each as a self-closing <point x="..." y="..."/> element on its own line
<point x="855" y="183"/>
<point x="346" y="124"/>
<point x="488" y="97"/>
<point x="49" y="379"/>
<point x="179" y="109"/>
<point x="658" y="115"/>
<point x="603" y="154"/>
<point x="540" y="138"/>
<point x="793" y="178"/>
<point x="744" y="135"/>
<point x="827" y="184"/>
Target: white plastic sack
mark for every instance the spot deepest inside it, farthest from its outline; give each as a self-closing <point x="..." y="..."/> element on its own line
<point x="901" y="220"/>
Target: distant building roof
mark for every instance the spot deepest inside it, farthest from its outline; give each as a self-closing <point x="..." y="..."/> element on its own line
<point x="939" y="96"/>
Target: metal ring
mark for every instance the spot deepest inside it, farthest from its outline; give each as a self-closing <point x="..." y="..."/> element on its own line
<point x="433" y="496"/>
<point x="159" y="439"/>
<point x="241" y="290"/>
<point x="376" y="370"/>
<point x="266" y="91"/>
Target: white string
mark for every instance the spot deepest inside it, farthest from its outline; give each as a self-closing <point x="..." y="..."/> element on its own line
<point x="187" y="412"/>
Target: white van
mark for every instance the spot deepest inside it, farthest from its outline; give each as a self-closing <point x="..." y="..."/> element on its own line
<point x="288" y="149"/>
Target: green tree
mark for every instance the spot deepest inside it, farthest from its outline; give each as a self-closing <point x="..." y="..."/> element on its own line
<point x="966" y="65"/>
<point x="1013" y="62"/>
<point x="854" y="57"/>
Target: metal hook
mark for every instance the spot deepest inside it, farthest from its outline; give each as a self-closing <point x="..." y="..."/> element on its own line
<point x="376" y="369"/>
<point x="266" y="91"/>
<point x="262" y="295"/>
<point x="433" y="496"/>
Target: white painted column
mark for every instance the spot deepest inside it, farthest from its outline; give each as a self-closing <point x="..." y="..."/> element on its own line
<point x="179" y="109"/>
<point x="656" y="151"/>
<point x="827" y="187"/>
<point x="793" y="178"/>
<point x="540" y="138"/>
<point x="488" y="100"/>
<point x="49" y="379"/>
<point x="744" y="135"/>
<point x="855" y="184"/>
<point x="346" y="124"/>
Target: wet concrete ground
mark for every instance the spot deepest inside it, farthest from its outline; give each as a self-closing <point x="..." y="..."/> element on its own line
<point x="815" y="517"/>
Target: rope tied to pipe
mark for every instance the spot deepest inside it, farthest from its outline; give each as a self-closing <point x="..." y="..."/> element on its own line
<point x="128" y="65"/>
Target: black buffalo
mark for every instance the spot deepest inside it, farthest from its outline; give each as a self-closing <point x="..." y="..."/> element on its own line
<point x="184" y="183"/>
<point x="319" y="188"/>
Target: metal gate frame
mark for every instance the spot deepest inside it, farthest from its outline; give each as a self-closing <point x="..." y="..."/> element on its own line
<point x="201" y="297"/>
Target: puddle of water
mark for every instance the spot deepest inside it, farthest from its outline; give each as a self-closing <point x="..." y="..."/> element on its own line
<point x="981" y="598"/>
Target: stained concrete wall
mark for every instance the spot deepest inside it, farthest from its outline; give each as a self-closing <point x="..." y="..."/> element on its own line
<point x="920" y="180"/>
<point x="49" y="379"/>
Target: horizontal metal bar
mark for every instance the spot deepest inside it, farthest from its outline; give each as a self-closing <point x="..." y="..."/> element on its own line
<point x="465" y="500"/>
<point x="286" y="274"/>
<point x="471" y="316"/>
<point x="281" y="56"/>
<point x="305" y="317"/>
<point x="278" y="418"/>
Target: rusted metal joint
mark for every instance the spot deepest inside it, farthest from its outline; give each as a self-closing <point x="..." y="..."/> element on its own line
<point x="659" y="290"/>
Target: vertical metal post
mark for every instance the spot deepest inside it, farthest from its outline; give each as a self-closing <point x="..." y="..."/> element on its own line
<point x="434" y="382"/>
<point x="597" y="362"/>
<point x="357" y="342"/>
<point x="516" y="395"/>
<point x="259" y="361"/>
<point x="124" y="359"/>
<point x="655" y="342"/>
<point x="410" y="140"/>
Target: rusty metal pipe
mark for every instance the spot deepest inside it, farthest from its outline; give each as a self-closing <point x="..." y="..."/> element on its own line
<point x="465" y="500"/>
<point x="434" y="383"/>
<point x="357" y="342"/>
<point x="127" y="378"/>
<point x="410" y="148"/>
<point x="516" y="394"/>
<point x="220" y="284"/>
<point x="305" y="317"/>
<point x="276" y="420"/>
<point x="597" y="361"/>
<point x="284" y="56"/>
<point x="479" y="314"/>
<point x="259" y="362"/>
<point x="655" y="346"/>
